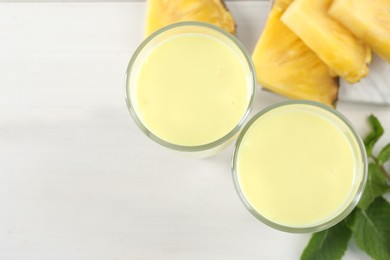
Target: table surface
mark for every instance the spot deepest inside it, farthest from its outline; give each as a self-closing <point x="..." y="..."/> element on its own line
<point x="78" y="180"/>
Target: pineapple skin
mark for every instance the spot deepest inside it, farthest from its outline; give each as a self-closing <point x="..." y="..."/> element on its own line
<point x="346" y="55"/>
<point x="161" y="13"/>
<point x="285" y="65"/>
<point x="369" y="20"/>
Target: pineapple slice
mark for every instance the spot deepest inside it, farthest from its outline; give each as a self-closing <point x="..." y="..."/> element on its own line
<point x="369" y="20"/>
<point x="164" y="12"/>
<point x="285" y="65"/>
<point x="333" y="43"/>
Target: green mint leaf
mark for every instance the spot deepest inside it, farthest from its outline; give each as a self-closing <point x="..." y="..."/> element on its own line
<point x="329" y="244"/>
<point x="371" y="229"/>
<point x="376" y="186"/>
<point x="374" y="135"/>
<point x="384" y="154"/>
<point x="349" y="220"/>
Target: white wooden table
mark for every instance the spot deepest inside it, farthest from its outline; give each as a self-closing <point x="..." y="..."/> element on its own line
<point x="78" y="180"/>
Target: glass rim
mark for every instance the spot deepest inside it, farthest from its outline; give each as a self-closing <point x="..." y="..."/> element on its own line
<point x="251" y="86"/>
<point x="329" y="222"/>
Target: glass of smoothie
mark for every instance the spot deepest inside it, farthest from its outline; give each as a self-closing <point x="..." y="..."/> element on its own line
<point x="299" y="166"/>
<point x="190" y="87"/>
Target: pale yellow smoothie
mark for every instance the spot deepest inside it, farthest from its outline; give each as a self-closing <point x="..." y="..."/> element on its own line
<point x="299" y="165"/>
<point x="192" y="89"/>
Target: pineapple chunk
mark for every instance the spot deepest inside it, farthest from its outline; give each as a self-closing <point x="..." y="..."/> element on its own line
<point x="333" y="43"/>
<point x="164" y="12"/>
<point x="369" y="20"/>
<point x="285" y="65"/>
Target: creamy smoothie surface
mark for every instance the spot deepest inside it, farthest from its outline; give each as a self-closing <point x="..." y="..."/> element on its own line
<point x="192" y="89"/>
<point x="296" y="168"/>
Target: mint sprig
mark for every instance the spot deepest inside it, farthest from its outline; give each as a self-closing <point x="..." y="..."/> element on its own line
<point x="329" y="244"/>
<point x="376" y="186"/>
<point x="369" y="222"/>
<point x="384" y="155"/>
<point x="371" y="229"/>
<point x="376" y="133"/>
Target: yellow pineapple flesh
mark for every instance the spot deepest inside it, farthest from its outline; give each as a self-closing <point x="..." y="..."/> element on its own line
<point x="346" y="55"/>
<point x="369" y="20"/>
<point x="164" y="12"/>
<point x="285" y="65"/>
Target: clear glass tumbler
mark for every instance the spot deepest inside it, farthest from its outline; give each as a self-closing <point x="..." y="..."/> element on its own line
<point x="141" y="57"/>
<point x="261" y="189"/>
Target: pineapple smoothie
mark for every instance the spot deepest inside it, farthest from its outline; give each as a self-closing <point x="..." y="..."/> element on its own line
<point x="299" y="167"/>
<point x="191" y="89"/>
